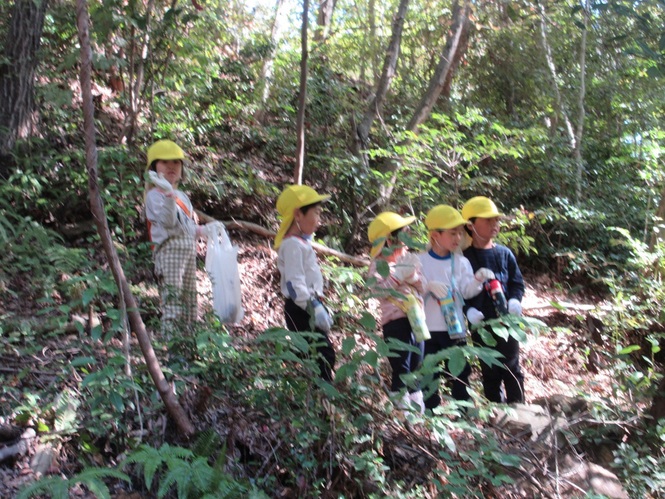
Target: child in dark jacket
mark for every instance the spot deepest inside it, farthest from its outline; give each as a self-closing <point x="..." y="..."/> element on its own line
<point x="484" y="220"/>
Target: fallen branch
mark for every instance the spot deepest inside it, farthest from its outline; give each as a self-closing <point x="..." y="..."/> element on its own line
<point x="262" y="231"/>
<point x="20" y="447"/>
<point x="565" y="305"/>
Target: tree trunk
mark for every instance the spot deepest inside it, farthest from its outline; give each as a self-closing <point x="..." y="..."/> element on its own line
<point x="387" y="75"/>
<point x="302" y="98"/>
<point x="174" y="409"/>
<point x="657" y="410"/>
<point x="138" y="57"/>
<point x="267" y="67"/>
<point x="577" y="152"/>
<point x="657" y="235"/>
<point x="324" y="20"/>
<point x="17" y="74"/>
<point x="454" y="50"/>
<point x="559" y="104"/>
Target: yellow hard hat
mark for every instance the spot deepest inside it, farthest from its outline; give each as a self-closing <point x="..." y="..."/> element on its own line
<point x="164" y="150"/>
<point x="292" y="198"/>
<point x="480" y="207"/>
<point x="382" y="226"/>
<point x="443" y="217"/>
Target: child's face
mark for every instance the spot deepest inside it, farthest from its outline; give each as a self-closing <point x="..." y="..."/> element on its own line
<point x="170" y="169"/>
<point x="447" y="239"/>
<point x="486" y="228"/>
<point x="309" y="222"/>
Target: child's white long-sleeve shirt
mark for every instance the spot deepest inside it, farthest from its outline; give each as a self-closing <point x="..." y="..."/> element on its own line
<point x="438" y="268"/>
<point x="300" y="275"/>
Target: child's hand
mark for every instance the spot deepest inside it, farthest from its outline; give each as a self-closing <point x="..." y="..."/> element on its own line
<point x="514" y="306"/>
<point x="475" y="316"/>
<point x="160" y="182"/>
<point x="405" y="267"/>
<point x="438" y="289"/>
<point x="483" y="274"/>
<point x="322" y="319"/>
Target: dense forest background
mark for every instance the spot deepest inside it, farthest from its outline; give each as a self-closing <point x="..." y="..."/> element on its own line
<point x="554" y="109"/>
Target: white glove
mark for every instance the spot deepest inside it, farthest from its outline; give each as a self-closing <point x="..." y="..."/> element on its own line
<point x="210" y="229"/>
<point x="406" y="267"/>
<point x="483" y="274"/>
<point x="474" y="315"/>
<point x="438" y="289"/>
<point x="514" y="307"/>
<point x="322" y="319"/>
<point x="160" y="182"/>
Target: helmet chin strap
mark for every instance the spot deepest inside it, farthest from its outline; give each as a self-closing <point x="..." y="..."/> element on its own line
<point x="484" y="240"/>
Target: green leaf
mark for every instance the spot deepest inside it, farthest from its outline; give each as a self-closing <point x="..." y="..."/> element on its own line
<point x="367" y="321"/>
<point x="88" y="296"/>
<point x="83" y="361"/>
<point x="382" y="268"/>
<point x="348" y="344"/>
<point x="456" y="362"/>
<point x="487" y="337"/>
<point x="629" y="349"/>
<point x="117" y="401"/>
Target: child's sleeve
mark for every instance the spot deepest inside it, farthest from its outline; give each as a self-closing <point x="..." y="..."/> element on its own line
<point x="515" y="280"/>
<point x="161" y="209"/>
<point x="469" y="286"/>
<point x="294" y="274"/>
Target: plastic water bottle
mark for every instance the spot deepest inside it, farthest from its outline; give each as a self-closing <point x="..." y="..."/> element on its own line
<point x="416" y="316"/>
<point x="495" y="290"/>
<point x="449" y="312"/>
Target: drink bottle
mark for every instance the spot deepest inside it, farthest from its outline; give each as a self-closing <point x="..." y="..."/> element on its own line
<point x="416" y="316"/>
<point x="449" y="312"/>
<point x="495" y="290"/>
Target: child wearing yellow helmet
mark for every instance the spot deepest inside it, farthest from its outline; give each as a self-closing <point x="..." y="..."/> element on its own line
<point x="393" y="288"/>
<point x="484" y="222"/>
<point x="301" y="281"/>
<point x="173" y="229"/>
<point x="450" y="280"/>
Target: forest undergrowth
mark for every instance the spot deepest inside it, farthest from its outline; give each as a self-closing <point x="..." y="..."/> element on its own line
<point x="266" y="427"/>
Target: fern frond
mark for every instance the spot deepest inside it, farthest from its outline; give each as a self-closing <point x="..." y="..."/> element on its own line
<point x="54" y="487"/>
<point x="206" y="443"/>
<point x="202" y="474"/>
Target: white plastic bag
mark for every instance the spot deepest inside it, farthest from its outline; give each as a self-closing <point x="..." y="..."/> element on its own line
<point x="222" y="267"/>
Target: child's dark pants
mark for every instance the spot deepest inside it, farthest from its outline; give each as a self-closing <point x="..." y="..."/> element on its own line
<point x="297" y="320"/>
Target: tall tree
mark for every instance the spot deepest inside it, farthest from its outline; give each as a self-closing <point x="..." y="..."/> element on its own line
<point x="138" y="59"/>
<point x="324" y="20"/>
<point x="387" y="74"/>
<point x="268" y="63"/>
<point x="453" y="51"/>
<point x="302" y="97"/>
<point x="17" y="73"/>
<point x="579" y="131"/>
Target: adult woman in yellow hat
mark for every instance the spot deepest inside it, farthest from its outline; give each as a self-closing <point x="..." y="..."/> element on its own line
<point x="393" y="289"/>
<point x="301" y="281"/>
<point x="484" y="223"/>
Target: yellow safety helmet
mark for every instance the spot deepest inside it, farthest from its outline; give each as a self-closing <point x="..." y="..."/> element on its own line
<point x="480" y="207"/>
<point x="443" y="217"/>
<point x="164" y="150"/>
<point x="382" y="226"/>
<point x="292" y="198"/>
